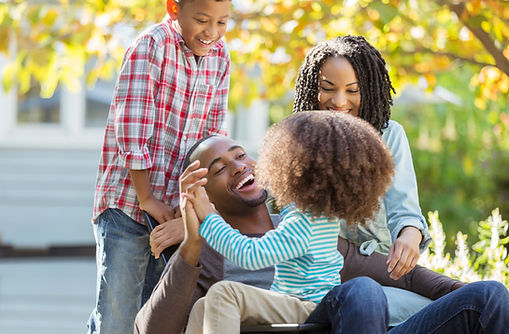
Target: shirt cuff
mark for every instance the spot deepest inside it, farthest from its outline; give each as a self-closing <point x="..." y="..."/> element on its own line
<point x="137" y="160"/>
<point x="207" y="223"/>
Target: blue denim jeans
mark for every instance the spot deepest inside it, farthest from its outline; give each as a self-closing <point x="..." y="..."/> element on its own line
<point x="480" y="307"/>
<point x="357" y="306"/>
<point x="126" y="272"/>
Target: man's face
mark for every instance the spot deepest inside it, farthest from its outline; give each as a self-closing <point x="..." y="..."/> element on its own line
<point x="231" y="181"/>
<point x="202" y="23"/>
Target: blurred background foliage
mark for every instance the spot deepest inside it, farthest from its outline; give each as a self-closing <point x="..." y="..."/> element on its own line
<point x="461" y="151"/>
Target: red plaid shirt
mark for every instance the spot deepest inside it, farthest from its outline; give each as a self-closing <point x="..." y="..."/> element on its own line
<point x="164" y="102"/>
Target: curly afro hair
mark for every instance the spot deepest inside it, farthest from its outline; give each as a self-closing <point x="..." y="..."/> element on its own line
<point x="327" y="163"/>
<point x="369" y="67"/>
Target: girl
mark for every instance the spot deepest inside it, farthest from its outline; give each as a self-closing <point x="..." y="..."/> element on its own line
<point x="318" y="165"/>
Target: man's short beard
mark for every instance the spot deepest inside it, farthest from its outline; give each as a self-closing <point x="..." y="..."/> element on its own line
<point x="253" y="203"/>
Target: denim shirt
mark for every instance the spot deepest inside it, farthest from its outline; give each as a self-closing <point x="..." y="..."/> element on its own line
<point x="400" y="206"/>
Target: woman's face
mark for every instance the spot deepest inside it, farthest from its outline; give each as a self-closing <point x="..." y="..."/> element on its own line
<point x="338" y="87"/>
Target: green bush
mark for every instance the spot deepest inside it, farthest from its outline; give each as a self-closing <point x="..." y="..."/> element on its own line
<point x="487" y="260"/>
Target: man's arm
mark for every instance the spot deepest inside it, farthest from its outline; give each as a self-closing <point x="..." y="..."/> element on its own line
<point x="167" y="308"/>
<point x="420" y="280"/>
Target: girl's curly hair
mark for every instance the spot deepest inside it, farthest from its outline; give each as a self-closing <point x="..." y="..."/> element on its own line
<point x="369" y="67"/>
<point x="327" y="163"/>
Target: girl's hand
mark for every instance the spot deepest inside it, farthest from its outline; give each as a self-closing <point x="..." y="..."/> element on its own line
<point x="404" y="252"/>
<point x="165" y="235"/>
<point x="201" y="203"/>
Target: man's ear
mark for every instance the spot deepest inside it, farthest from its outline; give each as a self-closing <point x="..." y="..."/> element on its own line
<point x="171" y="9"/>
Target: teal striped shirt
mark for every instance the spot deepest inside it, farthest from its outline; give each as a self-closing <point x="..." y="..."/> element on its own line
<point x="303" y="250"/>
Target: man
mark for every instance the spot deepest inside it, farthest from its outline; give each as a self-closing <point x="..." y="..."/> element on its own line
<point x="231" y="186"/>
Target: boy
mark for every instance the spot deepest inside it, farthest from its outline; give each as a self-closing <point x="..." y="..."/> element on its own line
<point x="171" y="91"/>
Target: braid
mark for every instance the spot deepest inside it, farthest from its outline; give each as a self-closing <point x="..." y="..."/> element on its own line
<point x="369" y="67"/>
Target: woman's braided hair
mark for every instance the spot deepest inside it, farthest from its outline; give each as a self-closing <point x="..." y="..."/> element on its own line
<point x="369" y="67"/>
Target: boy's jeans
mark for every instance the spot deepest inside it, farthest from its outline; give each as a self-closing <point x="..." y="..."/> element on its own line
<point x="126" y="272"/>
<point x="480" y="307"/>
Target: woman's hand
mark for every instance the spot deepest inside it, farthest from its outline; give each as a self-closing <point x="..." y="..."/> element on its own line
<point x="404" y="252"/>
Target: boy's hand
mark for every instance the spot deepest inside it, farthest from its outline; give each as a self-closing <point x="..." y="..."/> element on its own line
<point x="165" y="235"/>
<point x="404" y="252"/>
<point x="157" y="209"/>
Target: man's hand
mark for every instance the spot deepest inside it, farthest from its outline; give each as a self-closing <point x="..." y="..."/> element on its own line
<point x="192" y="244"/>
<point x="191" y="184"/>
<point x="165" y="235"/>
<point x="404" y="252"/>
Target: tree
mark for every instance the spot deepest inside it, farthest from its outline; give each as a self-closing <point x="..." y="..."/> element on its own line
<point x="418" y="38"/>
<point x="458" y="44"/>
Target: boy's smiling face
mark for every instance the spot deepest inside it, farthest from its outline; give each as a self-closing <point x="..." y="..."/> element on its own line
<point x="202" y="23"/>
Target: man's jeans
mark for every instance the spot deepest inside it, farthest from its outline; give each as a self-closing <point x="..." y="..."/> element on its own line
<point x="126" y="272"/>
<point x="357" y="306"/>
<point x="480" y="307"/>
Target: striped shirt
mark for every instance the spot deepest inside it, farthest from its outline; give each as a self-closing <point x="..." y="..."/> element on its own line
<point x="164" y="101"/>
<point x="303" y="250"/>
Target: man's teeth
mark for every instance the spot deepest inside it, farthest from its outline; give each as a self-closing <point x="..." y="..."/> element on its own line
<point x="205" y="42"/>
<point x="248" y="178"/>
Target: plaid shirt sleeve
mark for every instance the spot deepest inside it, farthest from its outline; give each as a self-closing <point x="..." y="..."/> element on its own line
<point x="135" y="103"/>
<point x="216" y="120"/>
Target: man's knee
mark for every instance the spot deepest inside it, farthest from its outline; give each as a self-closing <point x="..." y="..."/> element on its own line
<point x="364" y="284"/>
<point x="360" y="290"/>
<point x="489" y="290"/>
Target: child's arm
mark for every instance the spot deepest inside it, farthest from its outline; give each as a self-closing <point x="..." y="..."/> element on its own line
<point x="136" y="122"/>
<point x="290" y="240"/>
<point x="157" y="209"/>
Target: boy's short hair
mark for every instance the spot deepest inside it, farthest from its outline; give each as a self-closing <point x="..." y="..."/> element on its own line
<point x="182" y="2"/>
<point x="328" y="163"/>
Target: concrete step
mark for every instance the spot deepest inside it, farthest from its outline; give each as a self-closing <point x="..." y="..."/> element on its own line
<point x="46" y="296"/>
<point x="46" y="196"/>
<point x="41" y="226"/>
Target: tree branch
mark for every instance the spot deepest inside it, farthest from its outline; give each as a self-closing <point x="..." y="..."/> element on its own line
<point x="500" y="60"/>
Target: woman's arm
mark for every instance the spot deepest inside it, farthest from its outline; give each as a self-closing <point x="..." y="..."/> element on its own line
<point x="409" y="231"/>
